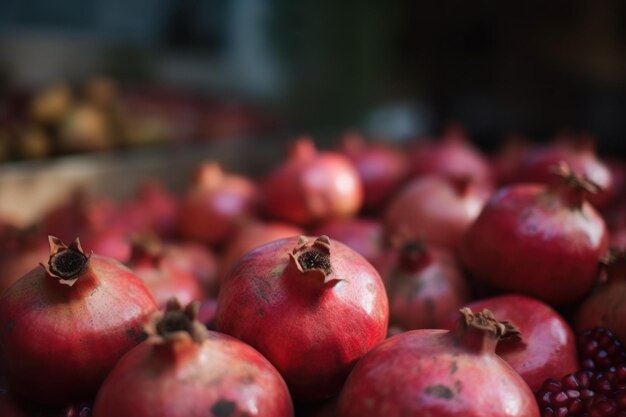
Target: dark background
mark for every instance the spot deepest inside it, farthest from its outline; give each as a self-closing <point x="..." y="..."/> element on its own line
<point x="534" y="67"/>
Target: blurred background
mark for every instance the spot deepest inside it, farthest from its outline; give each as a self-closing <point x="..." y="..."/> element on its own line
<point x="96" y="75"/>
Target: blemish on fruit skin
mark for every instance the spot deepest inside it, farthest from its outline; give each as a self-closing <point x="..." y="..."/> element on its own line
<point x="9" y="326"/>
<point x="439" y="391"/>
<point x="135" y="335"/>
<point x="223" y="408"/>
<point x="453" y="368"/>
<point x="371" y="288"/>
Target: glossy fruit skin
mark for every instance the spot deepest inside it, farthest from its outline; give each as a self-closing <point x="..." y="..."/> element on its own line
<point x="433" y="210"/>
<point x="548" y="345"/>
<point x="382" y="169"/>
<point x="425" y="292"/>
<point x="606" y="306"/>
<point x="312" y="187"/>
<point x="530" y="240"/>
<point x="220" y="377"/>
<point x="253" y="236"/>
<point x="216" y="206"/>
<point x="50" y="330"/>
<point x="435" y="373"/>
<point x="303" y="321"/>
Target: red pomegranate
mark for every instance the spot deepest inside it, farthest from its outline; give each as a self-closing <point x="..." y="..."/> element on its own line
<point x="439" y="373"/>
<point x="606" y="306"/>
<point x="451" y="157"/>
<point x="313" y="307"/>
<point x="579" y="155"/>
<point x="252" y="236"/>
<point x="184" y="370"/>
<point x="312" y="187"/>
<point x="547" y="348"/>
<point x="435" y="210"/>
<point x="152" y="210"/>
<point x="505" y="164"/>
<point x="541" y="241"/>
<point x="77" y="312"/>
<point x="425" y="287"/>
<point x="20" y="251"/>
<point x="216" y="206"/>
<point x="164" y="278"/>
<point x="382" y="169"/>
<point x="196" y="260"/>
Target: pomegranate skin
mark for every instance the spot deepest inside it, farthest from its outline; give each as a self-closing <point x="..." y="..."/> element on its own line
<point x="316" y="325"/>
<point x="425" y="287"/>
<point x="548" y="345"/>
<point x="50" y="330"/>
<point x="529" y="239"/>
<point x="196" y="260"/>
<point x="435" y="373"/>
<point x="216" y="376"/>
<point x="312" y="187"/>
<point x="18" y="256"/>
<point x="435" y="210"/>
<point x="606" y="306"/>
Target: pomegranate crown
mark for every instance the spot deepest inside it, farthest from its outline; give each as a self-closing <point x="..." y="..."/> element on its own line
<point x="66" y="262"/>
<point x="312" y="259"/>
<point x="176" y="324"/>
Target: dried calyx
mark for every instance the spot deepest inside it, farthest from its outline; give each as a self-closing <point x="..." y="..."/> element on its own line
<point x="486" y="322"/>
<point x="576" y="186"/>
<point x="176" y="323"/>
<point x="312" y="259"/>
<point x="66" y="262"/>
<point x="146" y="248"/>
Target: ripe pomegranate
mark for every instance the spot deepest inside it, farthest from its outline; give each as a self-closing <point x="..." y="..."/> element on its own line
<point x="606" y="306"/>
<point x="152" y="210"/>
<point x="216" y="206"/>
<point x="435" y="210"/>
<point x="547" y="348"/>
<point x="439" y="373"/>
<point x="185" y="370"/>
<point x="425" y="287"/>
<point x="312" y="187"/>
<point x="19" y="252"/>
<point x="382" y="169"/>
<point x="164" y="279"/>
<point x="58" y="319"/>
<point x="579" y="155"/>
<point x="252" y="236"/>
<point x="366" y="237"/>
<point x="196" y="260"/>
<point x="543" y="241"/>
<point x="451" y="157"/>
<point x="305" y="294"/>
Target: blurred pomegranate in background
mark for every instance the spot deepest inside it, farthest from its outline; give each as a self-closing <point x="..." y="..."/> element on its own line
<point x="311" y="187"/>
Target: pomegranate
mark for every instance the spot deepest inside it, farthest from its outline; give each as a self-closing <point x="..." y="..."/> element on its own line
<point x="58" y="319"/>
<point x="184" y="370"/>
<point x="439" y="373"/>
<point x="543" y="241"/>
<point x="196" y="260"/>
<point x="452" y="157"/>
<point x="164" y="279"/>
<point x="579" y="155"/>
<point x="153" y="210"/>
<point x="111" y="242"/>
<point x="424" y="288"/>
<point x="382" y="169"/>
<point x="19" y="251"/>
<point x="313" y="307"/>
<point x="547" y="348"/>
<point x="366" y="237"/>
<point x="252" y="236"/>
<point x="435" y="210"/>
<point x="312" y="187"/>
<point x="216" y="205"/>
<point x="606" y="306"/>
<point x="505" y="164"/>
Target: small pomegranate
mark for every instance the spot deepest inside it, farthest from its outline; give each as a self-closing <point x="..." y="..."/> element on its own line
<point x="547" y="348"/>
<point x="252" y="236"/>
<point x="164" y="279"/>
<point x="452" y="157"/>
<point x="435" y="210"/>
<point x="184" y="370"/>
<point x="579" y="155"/>
<point x="216" y="206"/>
<point x="425" y="287"/>
<point x="606" y="306"/>
<point x="196" y="260"/>
<point x="312" y="187"/>
<point x="152" y="210"/>
<point x="439" y="373"/>
<point x="77" y="312"/>
<point x="382" y="169"/>
<point x="320" y="306"/>
<point x="537" y="240"/>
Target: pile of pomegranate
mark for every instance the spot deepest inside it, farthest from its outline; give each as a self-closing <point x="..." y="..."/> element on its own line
<point x="367" y="280"/>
